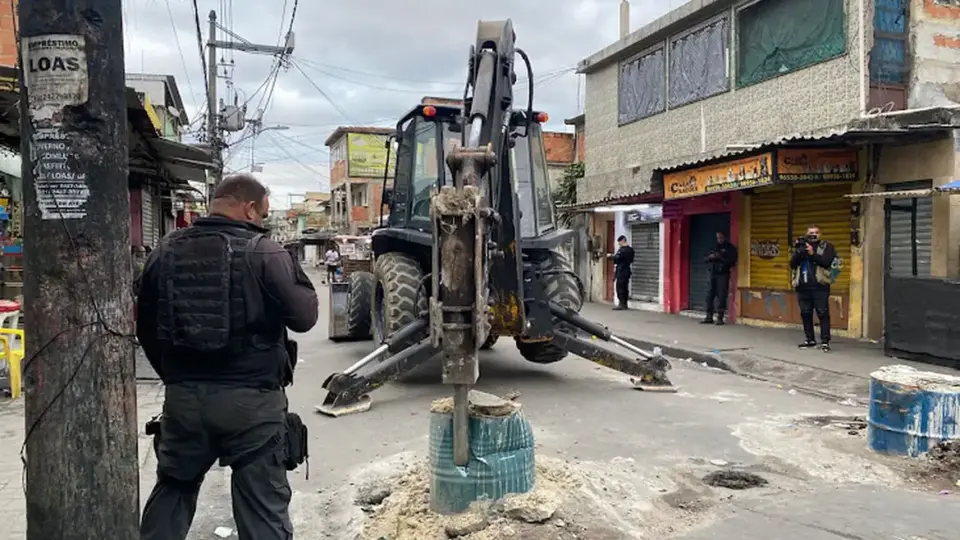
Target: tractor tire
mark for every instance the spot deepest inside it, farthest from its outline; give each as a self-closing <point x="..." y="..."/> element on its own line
<point x="492" y="338"/>
<point x="399" y="296"/>
<point x="562" y="287"/>
<point x="359" y="322"/>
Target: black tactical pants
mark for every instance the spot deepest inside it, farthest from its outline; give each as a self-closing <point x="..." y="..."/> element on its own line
<point x="815" y="299"/>
<point x="622" y="285"/>
<point x="717" y="294"/>
<point x="201" y="424"/>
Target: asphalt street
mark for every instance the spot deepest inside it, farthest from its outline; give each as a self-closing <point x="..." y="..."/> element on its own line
<point x="645" y="453"/>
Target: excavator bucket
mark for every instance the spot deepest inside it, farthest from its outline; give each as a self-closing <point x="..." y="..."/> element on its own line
<point x="329" y="407"/>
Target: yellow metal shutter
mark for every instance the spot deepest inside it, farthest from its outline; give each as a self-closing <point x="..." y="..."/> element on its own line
<point x="825" y="206"/>
<point x="769" y="245"/>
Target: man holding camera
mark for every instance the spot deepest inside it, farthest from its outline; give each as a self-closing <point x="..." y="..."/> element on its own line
<point x="814" y="266"/>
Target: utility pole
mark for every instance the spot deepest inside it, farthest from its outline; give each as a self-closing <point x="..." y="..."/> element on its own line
<point x="237" y="43"/>
<point x="82" y="471"/>
<point x="213" y="110"/>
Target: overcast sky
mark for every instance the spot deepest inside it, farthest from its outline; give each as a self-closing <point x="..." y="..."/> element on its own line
<point x="373" y="59"/>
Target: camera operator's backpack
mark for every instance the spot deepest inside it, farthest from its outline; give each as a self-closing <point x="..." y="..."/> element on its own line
<point x="835" y="267"/>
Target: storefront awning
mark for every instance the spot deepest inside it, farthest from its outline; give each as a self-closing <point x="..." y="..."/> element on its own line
<point x="952" y="188"/>
<point x="184" y="162"/>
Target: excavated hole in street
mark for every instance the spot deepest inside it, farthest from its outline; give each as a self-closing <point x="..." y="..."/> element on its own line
<point x="734" y="480"/>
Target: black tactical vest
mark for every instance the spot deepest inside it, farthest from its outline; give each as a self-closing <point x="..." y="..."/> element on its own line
<point x="205" y="291"/>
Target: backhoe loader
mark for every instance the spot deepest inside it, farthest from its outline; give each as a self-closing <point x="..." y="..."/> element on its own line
<point x="470" y="250"/>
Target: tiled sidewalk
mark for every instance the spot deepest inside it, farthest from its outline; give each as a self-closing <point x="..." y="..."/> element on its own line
<point x="12" y="499"/>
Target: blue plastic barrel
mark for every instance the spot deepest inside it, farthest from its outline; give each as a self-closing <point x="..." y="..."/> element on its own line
<point x="911" y="411"/>
<point x="501" y="461"/>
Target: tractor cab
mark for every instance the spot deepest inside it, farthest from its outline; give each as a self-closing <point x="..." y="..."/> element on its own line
<point x="423" y="139"/>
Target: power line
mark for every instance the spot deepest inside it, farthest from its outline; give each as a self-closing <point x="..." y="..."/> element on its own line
<point x="303" y="144"/>
<point x="320" y="90"/>
<point x="549" y="75"/>
<point x="183" y="60"/>
<point x="316" y="64"/>
<point x="203" y="61"/>
<point x="295" y="160"/>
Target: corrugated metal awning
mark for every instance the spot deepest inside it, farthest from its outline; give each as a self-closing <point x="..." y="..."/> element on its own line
<point x="902" y="194"/>
<point x="950" y="188"/>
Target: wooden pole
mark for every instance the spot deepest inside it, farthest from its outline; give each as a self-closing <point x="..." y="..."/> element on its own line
<point x="81" y="446"/>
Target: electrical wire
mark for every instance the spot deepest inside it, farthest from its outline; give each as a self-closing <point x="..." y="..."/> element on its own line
<point x="520" y="84"/>
<point x="320" y="90"/>
<point x="313" y="63"/>
<point x="203" y="61"/>
<point x="294" y="159"/>
<point x="183" y="60"/>
<point x="303" y="144"/>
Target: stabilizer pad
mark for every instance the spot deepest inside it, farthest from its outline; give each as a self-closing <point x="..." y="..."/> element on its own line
<point x="650" y="386"/>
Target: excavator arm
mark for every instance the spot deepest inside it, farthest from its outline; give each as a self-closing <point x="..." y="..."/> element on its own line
<point x="463" y="213"/>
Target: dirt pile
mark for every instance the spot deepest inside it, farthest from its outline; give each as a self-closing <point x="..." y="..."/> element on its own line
<point x="940" y="469"/>
<point x="405" y="513"/>
<point x="567" y="504"/>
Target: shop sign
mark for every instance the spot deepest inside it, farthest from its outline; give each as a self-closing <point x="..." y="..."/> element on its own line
<point x="367" y="155"/>
<point x="816" y="165"/>
<point x="648" y="215"/>
<point x="749" y="172"/>
<point x="765" y="249"/>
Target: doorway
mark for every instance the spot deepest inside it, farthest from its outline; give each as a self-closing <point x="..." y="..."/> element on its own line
<point x="702" y="238"/>
<point x="608" y="275"/>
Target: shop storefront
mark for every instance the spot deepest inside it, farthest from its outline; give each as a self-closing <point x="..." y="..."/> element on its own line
<point x="810" y="188"/>
<point x="698" y="204"/>
<point x="911" y="251"/>
<point x="11" y="227"/>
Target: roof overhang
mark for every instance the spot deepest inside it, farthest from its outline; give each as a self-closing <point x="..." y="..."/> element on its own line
<point x="184" y="162"/>
<point x="950" y="188"/>
<point x="912" y="126"/>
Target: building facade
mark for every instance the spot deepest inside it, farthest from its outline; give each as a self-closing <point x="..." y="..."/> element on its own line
<point x="358" y="165"/>
<point x="761" y="118"/>
<point x="155" y="208"/>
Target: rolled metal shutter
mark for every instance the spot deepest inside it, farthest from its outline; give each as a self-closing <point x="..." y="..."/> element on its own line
<point x="157" y="218"/>
<point x="900" y="240"/>
<point x="645" y="277"/>
<point x="825" y="206"/>
<point x="147" y="223"/>
<point x="770" y="248"/>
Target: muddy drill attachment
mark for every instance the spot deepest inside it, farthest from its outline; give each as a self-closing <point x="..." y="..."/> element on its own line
<point x="489" y="272"/>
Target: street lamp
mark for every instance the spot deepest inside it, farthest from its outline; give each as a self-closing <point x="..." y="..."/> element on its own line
<point x="259" y="128"/>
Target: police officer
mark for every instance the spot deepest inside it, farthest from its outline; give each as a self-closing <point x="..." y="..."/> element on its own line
<point x="719" y="261"/>
<point x="622" y="260"/>
<point x="214" y="306"/>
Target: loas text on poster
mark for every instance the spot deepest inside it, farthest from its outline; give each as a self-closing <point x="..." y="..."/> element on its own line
<point x="55" y="72"/>
<point x="56" y="77"/>
<point x="62" y="192"/>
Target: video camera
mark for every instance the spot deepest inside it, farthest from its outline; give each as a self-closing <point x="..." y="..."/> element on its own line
<point x="802" y="243"/>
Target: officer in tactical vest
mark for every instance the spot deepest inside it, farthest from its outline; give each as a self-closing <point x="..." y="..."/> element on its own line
<point x="215" y="304"/>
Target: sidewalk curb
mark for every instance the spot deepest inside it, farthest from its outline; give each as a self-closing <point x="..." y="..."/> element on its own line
<point x="823" y="383"/>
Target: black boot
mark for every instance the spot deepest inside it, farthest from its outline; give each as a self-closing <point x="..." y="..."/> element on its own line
<point x="708" y="319"/>
<point x="720" y="319"/>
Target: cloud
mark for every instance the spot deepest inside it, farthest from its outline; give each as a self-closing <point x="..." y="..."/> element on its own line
<point x="363" y="62"/>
